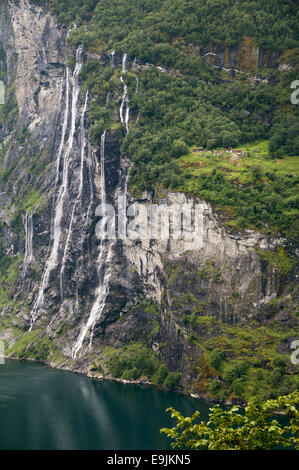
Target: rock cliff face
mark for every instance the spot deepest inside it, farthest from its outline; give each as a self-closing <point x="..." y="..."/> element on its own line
<point x="78" y="292"/>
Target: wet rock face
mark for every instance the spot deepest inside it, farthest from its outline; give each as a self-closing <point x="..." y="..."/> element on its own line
<point x="112" y="163"/>
<point x="245" y="57"/>
<point x="49" y="152"/>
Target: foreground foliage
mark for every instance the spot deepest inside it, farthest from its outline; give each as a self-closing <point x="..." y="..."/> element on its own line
<point x="257" y="428"/>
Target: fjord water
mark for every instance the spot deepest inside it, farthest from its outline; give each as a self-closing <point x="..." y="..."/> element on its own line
<point x="46" y="409"/>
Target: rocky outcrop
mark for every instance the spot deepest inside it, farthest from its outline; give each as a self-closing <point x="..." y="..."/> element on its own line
<point x="33" y="36"/>
<point x="219" y="251"/>
<point x="245" y="57"/>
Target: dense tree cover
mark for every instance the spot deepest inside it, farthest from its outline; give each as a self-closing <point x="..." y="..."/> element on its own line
<point x="139" y="24"/>
<point x="266" y="199"/>
<point x="246" y="378"/>
<point x="137" y="361"/>
<point x="255" y="428"/>
<point x="161" y="31"/>
<point x="285" y="136"/>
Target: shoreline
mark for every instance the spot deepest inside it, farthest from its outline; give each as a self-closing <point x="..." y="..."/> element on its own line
<point x="141" y="383"/>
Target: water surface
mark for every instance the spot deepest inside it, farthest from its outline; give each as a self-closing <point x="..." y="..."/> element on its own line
<point x="47" y="409"/>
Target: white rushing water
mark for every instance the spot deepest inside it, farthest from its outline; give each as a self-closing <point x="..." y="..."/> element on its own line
<point x="112" y="61"/>
<point x="124" y="112"/>
<point x="29" y="237"/>
<point x="28" y="257"/>
<point x="137" y="85"/>
<point x="124" y="63"/>
<point x="59" y="206"/>
<point x="90" y="162"/>
<point x="107" y="99"/>
<point x="103" y="266"/>
<point x="64" y="125"/>
<point x="83" y="141"/>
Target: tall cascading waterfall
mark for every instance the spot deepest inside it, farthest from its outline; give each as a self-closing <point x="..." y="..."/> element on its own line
<point x="59" y="203"/>
<point x="124" y="111"/>
<point x="103" y="263"/>
<point x="84" y="142"/>
<point x="106" y="244"/>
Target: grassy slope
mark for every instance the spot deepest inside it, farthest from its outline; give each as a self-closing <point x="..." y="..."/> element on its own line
<point x="240" y="174"/>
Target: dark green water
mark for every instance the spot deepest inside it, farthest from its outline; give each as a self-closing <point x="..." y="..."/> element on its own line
<point x="43" y="408"/>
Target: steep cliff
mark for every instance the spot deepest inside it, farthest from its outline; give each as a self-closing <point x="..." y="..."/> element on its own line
<point x="77" y="298"/>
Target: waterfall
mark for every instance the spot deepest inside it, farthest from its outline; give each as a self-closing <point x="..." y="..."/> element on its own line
<point x="124" y="111"/>
<point x="64" y="126"/>
<point x="28" y="257"/>
<point x="59" y="206"/>
<point x="91" y="183"/>
<point x="83" y="141"/>
<point x="137" y="85"/>
<point x="29" y="237"/>
<point x="124" y="63"/>
<point x="103" y="263"/>
<point x="112" y="55"/>
<point x="107" y="99"/>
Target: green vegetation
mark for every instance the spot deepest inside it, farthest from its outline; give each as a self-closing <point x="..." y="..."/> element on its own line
<point x="137" y="361"/>
<point x="285" y="137"/>
<point x="255" y="428"/>
<point x="255" y="191"/>
<point x="243" y="363"/>
<point x="146" y="27"/>
<point x="240" y="360"/>
<point x="34" y="345"/>
<point x="279" y="260"/>
<point x="9" y="272"/>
